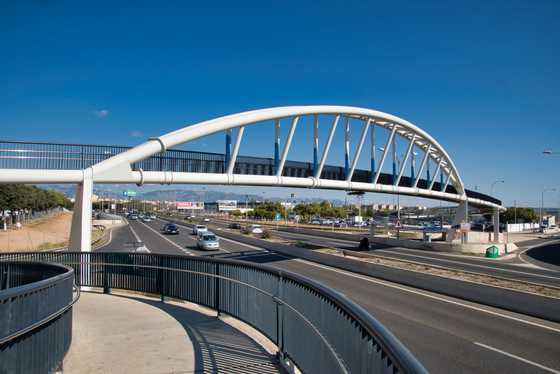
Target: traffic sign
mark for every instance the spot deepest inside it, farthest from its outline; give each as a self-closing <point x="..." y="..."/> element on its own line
<point x="277" y="217"/>
<point x="465" y="227"/>
<point x="129" y="193"/>
<point x="398" y="225"/>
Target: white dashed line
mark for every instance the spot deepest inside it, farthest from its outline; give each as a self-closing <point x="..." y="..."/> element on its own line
<point x="172" y="242"/>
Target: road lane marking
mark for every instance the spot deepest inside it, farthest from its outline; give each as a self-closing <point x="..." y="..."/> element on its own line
<point x="429" y="296"/>
<point x="470" y="264"/>
<point x="517" y="358"/>
<point x="535" y="246"/>
<point x="172" y="242"/>
<point x="138" y="240"/>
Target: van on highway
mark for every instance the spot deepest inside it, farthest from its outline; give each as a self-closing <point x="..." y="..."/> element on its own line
<point x="207" y="240"/>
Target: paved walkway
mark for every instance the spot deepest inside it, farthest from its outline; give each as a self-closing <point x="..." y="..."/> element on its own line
<point x="130" y="333"/>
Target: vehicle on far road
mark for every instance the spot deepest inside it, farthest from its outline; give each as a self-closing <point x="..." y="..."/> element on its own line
<point x="146" y="219"/>
<point x="235" y="226"/>
<point x="171" y="229"/>
<point x="206" y="219"/>
<point x="133" y="216"/>
<point x="207" y="240"/>
<point x="256" y="229"/>
<point x="152" y="216"/>
<point x="199" y="228"/>
<point x="553" y="227"/>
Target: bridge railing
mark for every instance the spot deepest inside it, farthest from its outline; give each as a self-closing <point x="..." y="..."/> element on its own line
<point x="315" y="328"/>
<point x="36" y="316"/>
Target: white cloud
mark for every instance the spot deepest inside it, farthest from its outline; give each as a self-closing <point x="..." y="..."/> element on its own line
<point x="136" y="134"/>
<point x="101" y="113"/>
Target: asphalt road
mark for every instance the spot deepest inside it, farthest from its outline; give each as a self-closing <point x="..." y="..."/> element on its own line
<point x="445" y="334"/>
<point x="539" y="265"/>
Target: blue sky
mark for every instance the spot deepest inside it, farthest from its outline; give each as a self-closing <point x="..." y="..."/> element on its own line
<point x="481" y="77"/>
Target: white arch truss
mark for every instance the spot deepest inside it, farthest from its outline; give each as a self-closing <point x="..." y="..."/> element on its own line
<point x="117" y="169"/>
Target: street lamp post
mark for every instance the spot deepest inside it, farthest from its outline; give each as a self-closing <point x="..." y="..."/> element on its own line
<point x="246" y="198"/>
<point x="203" y="188"/>
<point x="492" y="188"/>
<point x="542" y="204"/>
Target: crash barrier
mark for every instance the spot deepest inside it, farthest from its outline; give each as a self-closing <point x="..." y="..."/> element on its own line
<point x="36" y="313"/>
<point x="314" y="328"/>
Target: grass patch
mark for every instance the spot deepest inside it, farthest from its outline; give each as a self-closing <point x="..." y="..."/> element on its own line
<point x="304" y="245"/>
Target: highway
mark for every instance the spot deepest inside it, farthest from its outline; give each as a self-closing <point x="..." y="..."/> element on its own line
<point x="525" y="269"/>
<point x="445" y="334"/>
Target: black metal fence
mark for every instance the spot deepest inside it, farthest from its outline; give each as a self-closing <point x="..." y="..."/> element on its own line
<point x="317" y="329"/>
<point x="36" y="315"/>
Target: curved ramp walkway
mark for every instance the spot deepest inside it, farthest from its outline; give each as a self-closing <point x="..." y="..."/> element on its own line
<point x="130" y="333"/>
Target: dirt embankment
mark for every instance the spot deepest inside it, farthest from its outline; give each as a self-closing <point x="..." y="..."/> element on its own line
<point x="49" y="232"/>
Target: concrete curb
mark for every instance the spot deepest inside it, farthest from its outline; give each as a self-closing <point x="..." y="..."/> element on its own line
<point x="512" y="300"/>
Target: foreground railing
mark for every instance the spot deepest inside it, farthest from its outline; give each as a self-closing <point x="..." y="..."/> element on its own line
<point x="36" y="316"/>
<point x="315" y="328"/>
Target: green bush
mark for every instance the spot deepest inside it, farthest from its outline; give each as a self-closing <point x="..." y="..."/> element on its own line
<point x="246" y="230"/>
<point x="267" y="233"/>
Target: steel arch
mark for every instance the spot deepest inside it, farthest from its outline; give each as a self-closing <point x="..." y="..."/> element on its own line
<point x="117" y="168"/>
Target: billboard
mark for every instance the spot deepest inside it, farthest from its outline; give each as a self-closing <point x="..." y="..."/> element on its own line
<point x="189" y="205"/>
<point x="227" y="204"/>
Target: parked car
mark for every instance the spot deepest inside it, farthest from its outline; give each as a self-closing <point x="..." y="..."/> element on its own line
<point x="146" y="219"/>
<point x="235" y="226"/>
<point x="207" y="240"/>
<point x="256" y="229"/>
<point x="199" y="228"/>
<point x="553" y="227"/>
<point x="171" y="229"/>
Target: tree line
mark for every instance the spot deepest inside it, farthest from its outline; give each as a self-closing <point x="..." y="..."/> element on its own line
<point x="270" y="209"/>
<point x="16" y="197"/>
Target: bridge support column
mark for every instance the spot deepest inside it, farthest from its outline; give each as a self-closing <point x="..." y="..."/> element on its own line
<point x="80" y="231"/>
<point x="462" y="214"/>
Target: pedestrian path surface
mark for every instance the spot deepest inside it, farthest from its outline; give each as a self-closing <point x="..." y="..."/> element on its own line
<point x="130" y="333"/>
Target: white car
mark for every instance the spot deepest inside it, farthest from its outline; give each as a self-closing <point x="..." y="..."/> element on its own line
<point x="153" y="216"/>
<point x="256" y="229"/>
<point x="207" y="240"/>
<point x="206" y="219"/>
<point x="199" y="228"/>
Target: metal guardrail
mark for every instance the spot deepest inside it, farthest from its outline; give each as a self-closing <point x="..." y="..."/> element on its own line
<point x="35" y="305"/>
<point x="314" y="327"/>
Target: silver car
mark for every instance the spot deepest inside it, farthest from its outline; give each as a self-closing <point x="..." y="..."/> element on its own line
<point x="207" y="240"/>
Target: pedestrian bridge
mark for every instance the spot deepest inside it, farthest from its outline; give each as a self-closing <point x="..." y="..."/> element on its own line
<point x="156" y="162"/>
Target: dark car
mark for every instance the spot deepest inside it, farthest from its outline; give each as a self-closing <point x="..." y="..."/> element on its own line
<point x="171" y="229"/>
<point x="236" y="226"/>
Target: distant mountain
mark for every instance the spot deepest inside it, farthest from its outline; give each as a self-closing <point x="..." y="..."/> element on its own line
<point x="69" y="190"/>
